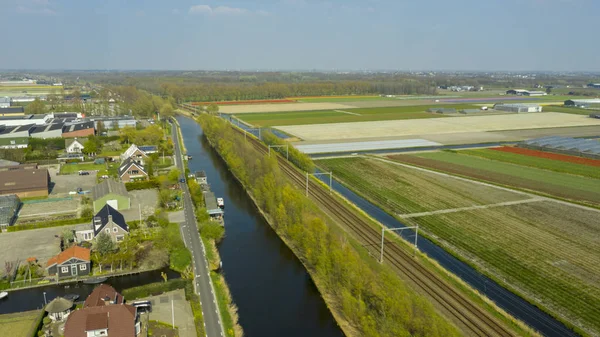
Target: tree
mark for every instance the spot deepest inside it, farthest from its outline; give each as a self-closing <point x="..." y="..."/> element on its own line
<point x="87" y="213"/>
<point x="127" y="134"/>
<point x="36" y="107"/>
<point x="164" y="197"/>
<point x="104" y="244"/>
<point x="212" y="109"/>
<point x="166" y="110"/>
<point x="548" y="90"/>
<point x="100" y="128"/>
<point x="173" y="175"/>
<point x="90" y="147"/>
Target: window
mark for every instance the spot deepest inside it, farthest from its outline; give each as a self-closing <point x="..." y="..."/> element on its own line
<point x="87" y="236"/>
<point x="82" y="267"/>
<point x="64" y="270"/>
<point x="134" y="172"/>
<point x="115" y="229"/>
<point x="120" y="238"/>
<point x="107" y="231"/>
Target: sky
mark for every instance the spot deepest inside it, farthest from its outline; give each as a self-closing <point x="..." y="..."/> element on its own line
<point x="480" y="35"/>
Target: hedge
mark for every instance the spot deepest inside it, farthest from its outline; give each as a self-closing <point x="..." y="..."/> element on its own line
<point x="142" y="185"/>
<point x="156" y="288"/>
<point x="48" y="224"/>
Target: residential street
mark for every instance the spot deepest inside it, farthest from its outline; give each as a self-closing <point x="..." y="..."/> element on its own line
<point x="191" y="237"/>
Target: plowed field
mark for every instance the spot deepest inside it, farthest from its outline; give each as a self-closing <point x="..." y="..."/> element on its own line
<point x="549" y="155"/>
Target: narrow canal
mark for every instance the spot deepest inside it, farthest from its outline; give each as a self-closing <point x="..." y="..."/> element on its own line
<point x="274" y="294"/>
<point x="33" y="298"/>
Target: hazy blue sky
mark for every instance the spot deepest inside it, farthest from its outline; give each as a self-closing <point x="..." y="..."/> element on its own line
<point x="301" y="34"/>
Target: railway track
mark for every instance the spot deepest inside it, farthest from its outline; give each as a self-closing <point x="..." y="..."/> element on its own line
<point x="476" y="320"/>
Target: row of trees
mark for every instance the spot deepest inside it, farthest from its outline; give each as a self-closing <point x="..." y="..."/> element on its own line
<point x="372" y="298"/>
<point x="298" y="158"/>
<point x="142" y="103"/>
<point x="245" y="91"/>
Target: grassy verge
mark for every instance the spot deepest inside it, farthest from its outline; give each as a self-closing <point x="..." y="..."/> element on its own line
<point x="228" y="310"/>
<point x="21" y="323"/>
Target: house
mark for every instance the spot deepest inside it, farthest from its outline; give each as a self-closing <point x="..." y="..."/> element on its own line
<point x="115" y="320"/>
<point x="201" y="177"/>
<point x="82" y="130"/>
<point x="9" y="205"/>
<point x="59" y="309"/>
<point x="131" y="171"/>
<point x="25" y="183"/>
<point x="107" y="220"/>
<point x="212" y="208"/>
<point x="73" y="145"/>
<point x="110" y="192"/>
<point x="52" y="130"/>
<point x="15" y="131"/>
<point x="72" y="262"/>
<point x="134" y="153"/>
<point x="14" y="143"/>
<point x="103" y="295"/>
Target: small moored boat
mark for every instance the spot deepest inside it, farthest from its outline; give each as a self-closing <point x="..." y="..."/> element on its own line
<point x="3" y="294"/>
<point x="71" y="297"/>
<point x="95" y="280"/>
<point x="220" y="203"/>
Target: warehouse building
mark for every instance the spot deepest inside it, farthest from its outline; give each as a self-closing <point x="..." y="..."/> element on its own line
<point x="535" y="93"/>
<point x="583" y="103"/>
<point x="26" y="99"/>
<point x="25" y="119"/>
<point x="518" y="107"/>
<point x="18" y="131"/>
<point x="114" y="122"/>
<point x="112" y="193"/>
<point x="12" y="111"/>
<point x="594" y="85"/>
<point x="9" y="206"/>
<point x="82" y="130"/>
<point x="518" y="92"/>
<point x="589" y="148"/>
<point x="53" y="130"/>
<point x="4" y="102"/>
<point x="470" y="111"/>
<point x="442" y="110"/>
<point x="25" y="183"/>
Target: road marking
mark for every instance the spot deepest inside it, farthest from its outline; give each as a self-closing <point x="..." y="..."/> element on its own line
<point x="347" y="112"/>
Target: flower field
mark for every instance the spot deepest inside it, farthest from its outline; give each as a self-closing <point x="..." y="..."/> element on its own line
<point x="545" y="251"/>
<point x="553" y="179"/>
<point x="549" y="155"/>
<point x="255" y="101"/>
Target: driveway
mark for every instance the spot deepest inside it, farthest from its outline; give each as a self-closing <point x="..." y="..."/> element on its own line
<point x="184" y="318"/>
<point x="63" y="184"/>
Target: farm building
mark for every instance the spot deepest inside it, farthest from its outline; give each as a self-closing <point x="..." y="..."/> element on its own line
<point x="535" y="93"/>
<point x="470" y="111"/>
<point x="589" y="148"/>
<point x="110" y="192"/>
<point x="26" y="99"/>
<point x="46" y="131"/>
<point x="17" y="166"/>
<point x="17" y="131"/>
<point x="518" y="107"/>
<point x="518" y="92"/>
<point x="25" y="183"/>
<point x="12" y="111"/>
<point x="442" y="110"/>
<point x="9" y="205"/>
<point x="583" y="103"/>
<point x="14" y="143"/>
<point x="4" y="102"/>
<point x="594" y="85"/>
<point x="595" y="116"/>
<point x="83" y="129"/>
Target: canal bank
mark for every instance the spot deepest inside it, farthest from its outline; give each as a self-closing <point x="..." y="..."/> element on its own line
<point x="274" y="294"/>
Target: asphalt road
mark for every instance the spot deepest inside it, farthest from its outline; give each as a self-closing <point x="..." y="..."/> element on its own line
<point x="191" y="237"/>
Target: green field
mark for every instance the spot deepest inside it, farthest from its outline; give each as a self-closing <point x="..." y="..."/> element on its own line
<point x="74" y="168"/>
<point x="358" y="115"/>
<point x="569" y="110"/>
<point x="19" y="324"/>
<point x="339" y="99"/>
<point x="541" y="163"/>
<point x="562" y="185"/>
<point x="545" y="251"/>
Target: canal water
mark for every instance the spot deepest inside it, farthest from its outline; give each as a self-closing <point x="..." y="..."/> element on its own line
<point x="33" y="298"/>
<point x="274" y="293"/>
<point x="511" y="303"/>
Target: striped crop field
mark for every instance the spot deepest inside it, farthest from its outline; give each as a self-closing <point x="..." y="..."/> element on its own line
<point x="545" y="251"/>
<point x="344" y="115"/>
<point x="536" y="174"/>
<point x="549" y="155"/>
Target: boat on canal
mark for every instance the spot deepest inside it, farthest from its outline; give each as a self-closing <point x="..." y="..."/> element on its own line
<point x="95" y="280"/>
<point x="71" y="297"/>
<point x="221" y="203"/>
<point x="3" y="295"/>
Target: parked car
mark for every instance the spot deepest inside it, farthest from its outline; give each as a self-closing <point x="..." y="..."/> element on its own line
<point x="84" y="173"/>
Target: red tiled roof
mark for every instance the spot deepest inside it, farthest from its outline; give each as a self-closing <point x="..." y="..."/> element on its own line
<point x="102" y="294"/>
<point x="119" y="319"/>
<point x="69" y="253"/>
